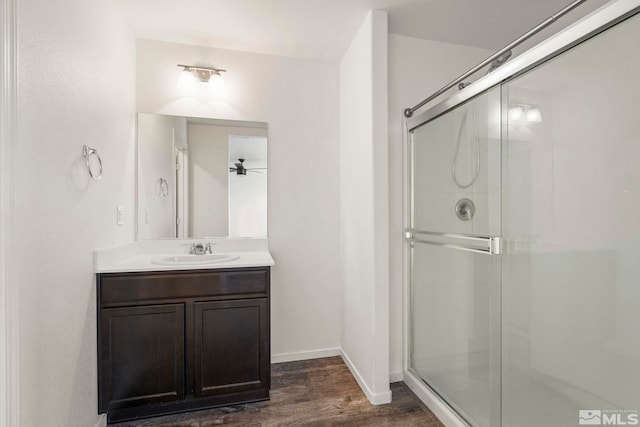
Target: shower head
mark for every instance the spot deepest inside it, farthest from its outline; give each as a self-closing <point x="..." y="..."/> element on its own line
<point x="499" y="61"/>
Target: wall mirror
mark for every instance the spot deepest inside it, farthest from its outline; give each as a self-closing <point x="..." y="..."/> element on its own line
<point x="200" y="177"/>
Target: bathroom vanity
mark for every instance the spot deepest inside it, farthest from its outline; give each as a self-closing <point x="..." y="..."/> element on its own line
<point x="174" y="339"/>
<point x="184" y="321"/>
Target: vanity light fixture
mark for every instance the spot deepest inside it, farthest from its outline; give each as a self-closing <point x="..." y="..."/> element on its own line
<point x="192" y="74"/>
<point x="524" y="114"/>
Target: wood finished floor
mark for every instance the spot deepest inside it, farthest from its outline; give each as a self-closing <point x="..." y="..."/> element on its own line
<point x="319" y="392"/>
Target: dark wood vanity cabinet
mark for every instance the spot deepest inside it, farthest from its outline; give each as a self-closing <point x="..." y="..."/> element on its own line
<point x="229" y="332"/>
<point x="175" y="341"/>
<point x="142" y="355"/>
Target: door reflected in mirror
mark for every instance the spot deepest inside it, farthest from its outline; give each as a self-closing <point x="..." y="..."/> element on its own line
<point x="201" y="177"/>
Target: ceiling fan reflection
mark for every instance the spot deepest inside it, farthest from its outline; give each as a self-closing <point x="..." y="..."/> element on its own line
<point x="240" y="169"/>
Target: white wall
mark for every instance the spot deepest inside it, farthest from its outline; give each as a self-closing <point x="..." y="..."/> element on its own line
<point x="364" y="207"/>
<point x="417" y="68"/>
<point x="75" y="87"/>
<point x="299" y="101"/>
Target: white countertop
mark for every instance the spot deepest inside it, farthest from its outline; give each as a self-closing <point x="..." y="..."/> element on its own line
<point x="143" y="263"/>
<point x="138" y="256"/>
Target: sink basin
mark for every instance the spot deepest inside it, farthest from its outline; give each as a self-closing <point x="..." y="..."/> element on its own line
<point x="194" y="259"/>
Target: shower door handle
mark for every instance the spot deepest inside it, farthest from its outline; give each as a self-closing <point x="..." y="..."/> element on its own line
<point x="473" y="243"/>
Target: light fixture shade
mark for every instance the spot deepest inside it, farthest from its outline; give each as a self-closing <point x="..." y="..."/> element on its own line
<point x="533" y="115"/>
<point x="195" y="81"/>
<point x="515" y="113"/>
<point x="187" y="80"/>
<point x="216" y="83"/>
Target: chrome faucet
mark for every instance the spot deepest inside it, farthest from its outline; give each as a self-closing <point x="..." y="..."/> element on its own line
<point x="200" y="249"/>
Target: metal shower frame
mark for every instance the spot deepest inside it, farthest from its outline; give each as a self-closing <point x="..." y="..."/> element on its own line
<point x="553" y="46"/>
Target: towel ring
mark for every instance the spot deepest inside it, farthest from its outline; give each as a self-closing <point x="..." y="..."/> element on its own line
<point x="87" y="152"/>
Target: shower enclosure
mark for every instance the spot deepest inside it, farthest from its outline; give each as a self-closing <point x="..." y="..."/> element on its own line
<point x="524" y="236"/>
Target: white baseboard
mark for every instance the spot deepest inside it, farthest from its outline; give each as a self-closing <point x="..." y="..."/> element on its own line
<point x="394" y="377"/>
<point x="375" y="399"/>
<point x="305" y="355"/>
<point x="440" y="409"/>
<point x="102" y="421"/>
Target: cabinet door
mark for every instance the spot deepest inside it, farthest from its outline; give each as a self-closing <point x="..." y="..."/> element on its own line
<point x="141" y="355"/>
<point x="231" y="346"/>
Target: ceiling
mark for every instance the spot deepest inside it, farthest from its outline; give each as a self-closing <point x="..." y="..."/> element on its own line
<point x="323" y="29"/>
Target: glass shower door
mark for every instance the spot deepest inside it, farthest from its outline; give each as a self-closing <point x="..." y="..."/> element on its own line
<point x="571" y="284"/>
<point x="455" y="266"/>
